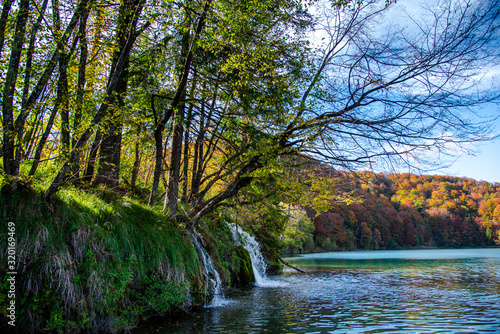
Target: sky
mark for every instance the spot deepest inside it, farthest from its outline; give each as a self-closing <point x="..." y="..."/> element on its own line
<point x="481" y="164"/>
<point x="483" y="167"/>
<point x="483" y="161"/>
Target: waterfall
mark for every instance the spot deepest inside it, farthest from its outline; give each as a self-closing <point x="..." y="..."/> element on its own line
<point x="259" y="266"/>
<point x="213" y="285"/>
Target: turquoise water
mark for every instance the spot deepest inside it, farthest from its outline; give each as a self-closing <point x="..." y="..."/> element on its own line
<point x="416" y="291"/>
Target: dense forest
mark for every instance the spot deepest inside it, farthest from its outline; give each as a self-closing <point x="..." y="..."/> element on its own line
<point x="391" y="211"/>
<point x="189" y="102"/>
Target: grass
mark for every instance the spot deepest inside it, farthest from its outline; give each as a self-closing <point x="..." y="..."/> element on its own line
<point x="94" y="260"/>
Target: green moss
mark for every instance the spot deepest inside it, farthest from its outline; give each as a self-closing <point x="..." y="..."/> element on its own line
<point x="92" y="261"/>
<point x="243" y="273"/>
<point x="232" y="262"/>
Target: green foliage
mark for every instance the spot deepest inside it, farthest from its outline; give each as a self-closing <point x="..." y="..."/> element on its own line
<point x="250" y="97"/>
<point x="117" y="260"/>
<point x="488" y="233"/>
<point x="329" y="245"/>
<point x="56" y="323"/>
<point x="266" y="222"/>
<point x="299" y="231"/>
<point x="351" y="240"/>
<point x="100" y="249"/>
<point x="233" y="262"/>
<point x="162" y="295"/>
<point x="393" y="244"/>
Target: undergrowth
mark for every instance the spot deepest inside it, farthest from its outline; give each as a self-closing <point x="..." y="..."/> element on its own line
<point x="94" y="260"/>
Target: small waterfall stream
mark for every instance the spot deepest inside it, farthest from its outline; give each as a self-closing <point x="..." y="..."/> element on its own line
<point x="259" y="266"/>
<point x="213" y="283"/>
<point x="213" y="286"/>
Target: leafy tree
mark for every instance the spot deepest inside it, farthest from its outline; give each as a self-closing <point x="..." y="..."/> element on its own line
<point x="230" y="91"/>
<point x="298" y="234"/>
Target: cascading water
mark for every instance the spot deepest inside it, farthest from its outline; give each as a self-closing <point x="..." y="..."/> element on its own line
<point x="259" y="266"/>
<point x="213" y="286"/>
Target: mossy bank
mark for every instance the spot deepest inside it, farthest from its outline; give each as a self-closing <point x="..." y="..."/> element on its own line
<point x="94" y="261"/>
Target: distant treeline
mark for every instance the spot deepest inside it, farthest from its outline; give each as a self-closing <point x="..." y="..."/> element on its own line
<point x="405" y="210"/>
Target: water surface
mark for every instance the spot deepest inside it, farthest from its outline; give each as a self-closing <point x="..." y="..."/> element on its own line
<point x="417" y="291"/>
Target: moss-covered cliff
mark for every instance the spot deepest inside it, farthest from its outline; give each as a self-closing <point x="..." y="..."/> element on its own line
<point x="99" y="261"/>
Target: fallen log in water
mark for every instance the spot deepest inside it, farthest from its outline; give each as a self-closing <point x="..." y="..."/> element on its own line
<point x="289" y="265"/>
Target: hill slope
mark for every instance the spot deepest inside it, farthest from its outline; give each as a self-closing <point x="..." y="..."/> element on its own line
<point x="405" y="210"/>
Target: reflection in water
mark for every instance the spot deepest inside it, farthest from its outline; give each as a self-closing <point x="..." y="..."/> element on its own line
<point x="448" y="294"/>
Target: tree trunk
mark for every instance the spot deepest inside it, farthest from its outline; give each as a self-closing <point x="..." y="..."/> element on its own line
<point x="201" y="154"/>
<point x="30" y="135"/>
<point x="137" y="161"/>
<point x="116" y="77"/>
<point x="185" y="158"/>
<point x="94" y="148"/>
<point x="108" y="172"/>
<point x="49" y="69"/>
<point x="80" y="91"/>
<point x="158" y="135"/>
<point x="82" y="66"/>
<point x="43" y="139"/>
<point x="172" y="193"/>
<point x="62" y="92"/>
<point x="9" y="163"/>
<point x="12" y="159"/>
<point x="20" y="152"/>
<point x="3" y="21"/>
<point x="289" y="265"/>
<point x="194" y="215"/>
<point x="177" y="105"/>
<point x="61" y="99"/>
<point x="62" y="83"/>
<point x="198" y="156"/>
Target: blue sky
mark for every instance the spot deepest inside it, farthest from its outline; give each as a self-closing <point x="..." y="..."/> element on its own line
<point x="484" y="166"/>
<point x="484" y="162"/>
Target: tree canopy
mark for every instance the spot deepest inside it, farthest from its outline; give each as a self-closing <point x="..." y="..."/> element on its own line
<point x="189" y="102"/>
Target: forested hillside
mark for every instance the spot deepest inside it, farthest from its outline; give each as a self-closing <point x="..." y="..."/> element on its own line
<point x="406" y="210"/>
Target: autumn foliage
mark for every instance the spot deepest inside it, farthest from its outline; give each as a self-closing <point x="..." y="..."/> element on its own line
<point x="406" y="210"/>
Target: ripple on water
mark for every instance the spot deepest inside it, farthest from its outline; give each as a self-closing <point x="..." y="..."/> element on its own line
<point x="456" y="295"/>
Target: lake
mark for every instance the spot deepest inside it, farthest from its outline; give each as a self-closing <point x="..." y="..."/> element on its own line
<point x="400" y="291"/>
